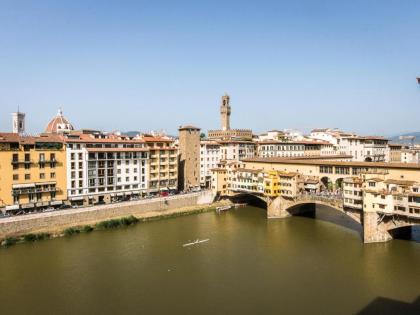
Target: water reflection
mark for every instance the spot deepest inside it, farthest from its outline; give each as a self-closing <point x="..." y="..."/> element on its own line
<point x="250" y="265"/>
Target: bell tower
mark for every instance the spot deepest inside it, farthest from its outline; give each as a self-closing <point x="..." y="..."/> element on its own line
<point x="18" y="120"/>
<point x="225" y="112"/>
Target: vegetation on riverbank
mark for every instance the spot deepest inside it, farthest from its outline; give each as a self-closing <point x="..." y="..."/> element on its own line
<point x="102" y="225"/>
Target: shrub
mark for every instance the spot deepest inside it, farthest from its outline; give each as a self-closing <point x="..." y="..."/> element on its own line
<point x="29" y="238"/>
<point x="9" y="241"/>
<point x="87" y="229"/>
<point x="42" y="236"/>
<point x="114" y="223"/>
<point x="129" y="220"/>
<point x="70" y="231"/>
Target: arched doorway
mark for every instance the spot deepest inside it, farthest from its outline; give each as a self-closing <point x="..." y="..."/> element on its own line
<point x="326" y="184"/>
<point x="339" y="185"/>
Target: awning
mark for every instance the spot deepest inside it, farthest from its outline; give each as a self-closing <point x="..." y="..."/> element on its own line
<point x="77" y="198"/>
<point x="28" y="205"/>
<point x="56" y="202"/>
<point x="120" y="194"/>
<point x="46" y="183"/>
<point x="128" y="193"/>
<point x="23" y="185"/>
<point x="12" y="207"/>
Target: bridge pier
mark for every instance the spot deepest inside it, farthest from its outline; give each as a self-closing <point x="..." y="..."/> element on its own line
<point x="373" y="230"/>
<point x="276" y="209"/>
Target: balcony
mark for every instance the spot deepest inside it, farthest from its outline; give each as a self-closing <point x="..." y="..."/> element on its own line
<point x="34" y="190"/>
<point x="18" y="162"/>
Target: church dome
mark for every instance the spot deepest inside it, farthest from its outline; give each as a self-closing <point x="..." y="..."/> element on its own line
<point x="59" y="124"/>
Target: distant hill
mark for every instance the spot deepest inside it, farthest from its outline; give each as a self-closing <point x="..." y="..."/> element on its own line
<point x="396" y="139"/>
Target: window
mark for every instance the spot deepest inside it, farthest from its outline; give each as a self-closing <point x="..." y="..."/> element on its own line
<point x="27" y="176"/>
<point x="52" y="175"/>
<point x="41" y="175"/>
<point x="15" y="176"/>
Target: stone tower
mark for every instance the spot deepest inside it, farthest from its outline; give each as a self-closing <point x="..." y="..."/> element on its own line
<point x="225" y="112"/>
<point x="18" y="122"/>
<point x="189" y="158"/>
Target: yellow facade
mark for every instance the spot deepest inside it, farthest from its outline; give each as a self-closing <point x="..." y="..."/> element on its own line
<point x="33" y="172"/>
<point x="271" y="184"/>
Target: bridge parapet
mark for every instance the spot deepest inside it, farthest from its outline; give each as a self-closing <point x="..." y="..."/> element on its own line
<point x="335" y="201"/>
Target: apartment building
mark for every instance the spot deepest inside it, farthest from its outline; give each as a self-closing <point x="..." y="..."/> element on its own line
<point x="247" y="180"/>
<point x="390" y="196"/>
<point x="33" y="172"/>
<point x="273" y="148"/>
<point x="277" y="135"/>
<point x="285" y="184"/>
<point x="237" y="150"/>
<point x="210" y="156"/>
<point x="352" y="192"/>
<point x="163" y="156"/>
<point x="410" y="155"/>
<point x="102" y="168"/>
<point x="367" y="149"/>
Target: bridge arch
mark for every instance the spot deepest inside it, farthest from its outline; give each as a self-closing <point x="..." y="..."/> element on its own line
<point x="253" y="199"/>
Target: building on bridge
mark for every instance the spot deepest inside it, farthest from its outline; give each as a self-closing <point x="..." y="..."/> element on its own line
<point x="382" y="197"/>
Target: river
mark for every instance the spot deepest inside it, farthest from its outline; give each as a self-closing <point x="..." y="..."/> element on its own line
<point x="297" y="265"/>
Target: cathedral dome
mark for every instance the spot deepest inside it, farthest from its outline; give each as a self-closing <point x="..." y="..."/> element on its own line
<point x="59" y="124"/>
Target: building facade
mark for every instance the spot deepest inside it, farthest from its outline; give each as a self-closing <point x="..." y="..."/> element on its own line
<point x="210" y="156"/>
<point x="103" y="168"/>
<point x="163" y="166"/>
<point x="189" y="158"/>
<point x="33" y="172"/>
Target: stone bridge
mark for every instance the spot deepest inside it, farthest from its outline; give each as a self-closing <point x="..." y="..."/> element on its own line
<point x="377" y="226"/>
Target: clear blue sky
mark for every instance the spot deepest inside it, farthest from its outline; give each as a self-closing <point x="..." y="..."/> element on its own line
<point x="141" y="65"/>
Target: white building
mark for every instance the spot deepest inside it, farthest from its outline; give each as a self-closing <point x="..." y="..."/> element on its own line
<point x="272" y="135"/>
<point x="365" y="149"/>
<point x="237" y="150"/>
<point x="105" y="168"/>
<point x="410" y="156"/>
<point x="272" y="148"/>
<point x="353" y="193"/>
<point x="210" y="156"/>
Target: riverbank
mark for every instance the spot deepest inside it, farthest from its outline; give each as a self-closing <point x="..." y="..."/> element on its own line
<point x="107" y="224"/>
<point x="54" y="223"/>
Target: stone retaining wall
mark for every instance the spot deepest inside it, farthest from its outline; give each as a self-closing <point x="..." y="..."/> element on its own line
<point x="51" y="221"/>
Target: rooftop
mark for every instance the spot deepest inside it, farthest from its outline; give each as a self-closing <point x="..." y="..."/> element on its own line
<point x="279" y="160"/>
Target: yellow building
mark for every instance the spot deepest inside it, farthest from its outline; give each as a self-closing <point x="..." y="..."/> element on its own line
<point x="163" y="163"/>
<point x="286" y="184"/>
<point x="33" y="172"/>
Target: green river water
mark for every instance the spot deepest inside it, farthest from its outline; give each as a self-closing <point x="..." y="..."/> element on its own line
<point x="251" y="265"/>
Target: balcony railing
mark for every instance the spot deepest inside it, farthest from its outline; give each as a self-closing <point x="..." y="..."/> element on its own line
<point x="15" y="162"/>
<point x="25" y="191"/>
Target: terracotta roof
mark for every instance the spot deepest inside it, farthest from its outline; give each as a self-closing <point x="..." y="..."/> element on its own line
<point x="247" y="170"/>
<point x="188" y="127"/>
<point x="59" y="124"/>
<point x="236" y="142"/>
<point x="117" y="149"/>
<point x="155" y="139"/>
<point x="14" y="137"/>
<point x="280" y="160"/>
<point x="9" y="137"/>
<point x="400" y="182"/>
<point x="89" y="138"/>
<point x="294" y="142"/>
